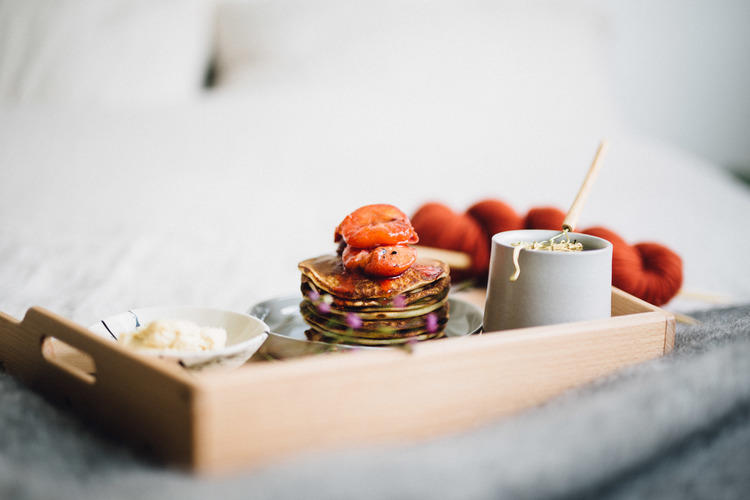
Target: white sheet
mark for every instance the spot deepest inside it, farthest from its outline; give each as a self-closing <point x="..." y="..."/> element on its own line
<point x="112" y="53"/>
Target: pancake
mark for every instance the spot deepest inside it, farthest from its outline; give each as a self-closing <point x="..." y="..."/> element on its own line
<point x="377" y="328"/>
<point x="328" y="273"/>
<point x="347" y="306"/>
<point x="412" y="299"/>
<point x="325" y="336"/>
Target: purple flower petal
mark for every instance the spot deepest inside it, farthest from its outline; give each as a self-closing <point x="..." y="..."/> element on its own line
<point x="324" y="307"/>
<point x="353" y="320"/>
<point x="399" y="301"/>
<point x="313" y="295"/>
<point x="431" y="321"/>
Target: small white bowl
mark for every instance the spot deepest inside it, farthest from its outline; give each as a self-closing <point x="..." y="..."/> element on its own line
<point x="245" y="334"/>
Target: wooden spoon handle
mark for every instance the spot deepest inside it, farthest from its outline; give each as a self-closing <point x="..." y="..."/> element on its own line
<point x="571" y="218"/>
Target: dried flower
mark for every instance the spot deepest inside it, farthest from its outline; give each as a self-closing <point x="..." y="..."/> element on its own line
<point x="409" y="345"/>
<point x="323" y="303"/>
<point x="399" y="301"/>
<point x="353" y="320"/>
<point x="431" y="321"/>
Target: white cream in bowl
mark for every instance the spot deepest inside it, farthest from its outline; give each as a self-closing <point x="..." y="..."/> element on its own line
<point x="191" y="336"/>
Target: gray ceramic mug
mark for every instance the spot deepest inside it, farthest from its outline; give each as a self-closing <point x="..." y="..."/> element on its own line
<point x="552" y="287"/>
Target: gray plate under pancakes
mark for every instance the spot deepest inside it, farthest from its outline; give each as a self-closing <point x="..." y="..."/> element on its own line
<point x="287" y="336"/>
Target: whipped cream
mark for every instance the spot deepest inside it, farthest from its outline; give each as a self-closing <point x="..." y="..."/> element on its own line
<point x="178" y="335"/>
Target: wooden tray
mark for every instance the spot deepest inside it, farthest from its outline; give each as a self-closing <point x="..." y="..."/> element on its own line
<point x="217" y="422"/>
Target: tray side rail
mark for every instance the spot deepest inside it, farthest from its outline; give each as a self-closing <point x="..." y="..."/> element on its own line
<point x="217" y="422"/>
<point x="267" y="412"/>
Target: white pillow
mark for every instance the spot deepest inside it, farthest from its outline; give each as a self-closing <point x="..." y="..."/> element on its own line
<point x="529" y="60"/>
<point x="103" y="52"/>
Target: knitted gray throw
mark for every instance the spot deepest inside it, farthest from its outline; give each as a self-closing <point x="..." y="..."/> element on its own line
<point x="676" y="427"/>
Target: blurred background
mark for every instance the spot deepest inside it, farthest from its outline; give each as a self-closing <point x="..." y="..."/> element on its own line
<point x="678" y="69"/>
<point x="681" y="73"/>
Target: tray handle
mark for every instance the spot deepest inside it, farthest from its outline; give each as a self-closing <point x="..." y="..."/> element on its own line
<point x="45" y="350"/>
<point x="43" y="341"/>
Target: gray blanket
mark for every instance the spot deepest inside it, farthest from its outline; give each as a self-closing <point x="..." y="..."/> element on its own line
<point x="676" y="427"/>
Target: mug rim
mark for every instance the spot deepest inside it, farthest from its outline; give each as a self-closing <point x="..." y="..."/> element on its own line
<point x="505" y="239"/>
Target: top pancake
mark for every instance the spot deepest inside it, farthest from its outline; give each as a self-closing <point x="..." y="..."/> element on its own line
<point x="328" y="273"/>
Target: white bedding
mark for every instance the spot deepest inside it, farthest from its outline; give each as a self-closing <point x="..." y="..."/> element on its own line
<point x="214" y="200"/>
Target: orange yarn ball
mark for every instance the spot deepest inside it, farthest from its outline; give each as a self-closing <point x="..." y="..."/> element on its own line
<point x="649" y="271"/>
<point x="441" y="227"/>
<point x="494" y="216"/>
<point x="544" y="218"/>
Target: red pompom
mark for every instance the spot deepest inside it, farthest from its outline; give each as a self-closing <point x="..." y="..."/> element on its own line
<point x="649" y="271"/>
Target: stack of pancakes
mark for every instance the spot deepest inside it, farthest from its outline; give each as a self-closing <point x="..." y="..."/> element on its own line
<point x="349" y="307"/>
